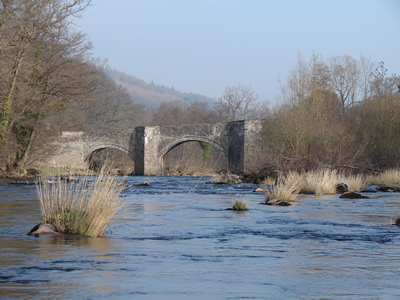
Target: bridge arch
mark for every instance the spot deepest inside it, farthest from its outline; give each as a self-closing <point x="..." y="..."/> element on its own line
<point x="171" y="145"/>
<point x="179" y="141"/>
<point x="94" y="149"/>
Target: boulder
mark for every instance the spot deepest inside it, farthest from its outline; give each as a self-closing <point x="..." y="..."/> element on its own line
<point x="277" y="202"/>
<point x="341" y="188"/>
<point x="47" y="229"/>
<point x="390" y="189"/>
<point x="50" y="231"/>
<point x="353" y="195"/>
<point x="259" y="190"/>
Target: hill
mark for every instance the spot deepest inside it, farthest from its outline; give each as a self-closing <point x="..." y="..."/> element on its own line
<point x="150" y="94"/>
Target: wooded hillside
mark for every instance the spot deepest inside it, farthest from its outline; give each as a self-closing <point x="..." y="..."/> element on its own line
<point x="151" y="95"/>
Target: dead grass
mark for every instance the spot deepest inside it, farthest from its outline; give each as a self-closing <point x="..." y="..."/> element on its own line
<point x="85" y="207"/>
<point x="320" y="182"/>
<point x="388" y="178"/>
<point x="287" y="188"/>
<point x="355" y="182"/>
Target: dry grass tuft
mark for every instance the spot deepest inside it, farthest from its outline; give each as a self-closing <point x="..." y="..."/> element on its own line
<point x="320" y="182"/>
<point x="85" y="207"/>
<point x="355" y="182"/>
<point x="287" y="189"/>
<point x="388" y="177"/>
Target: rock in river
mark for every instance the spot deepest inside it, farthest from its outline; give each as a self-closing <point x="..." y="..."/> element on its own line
<point x="353" y="195"/>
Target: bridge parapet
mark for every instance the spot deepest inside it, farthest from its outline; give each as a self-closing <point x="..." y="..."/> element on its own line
<point x="147" y="145"/>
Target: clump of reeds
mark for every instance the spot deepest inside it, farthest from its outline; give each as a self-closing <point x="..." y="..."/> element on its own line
<point x="388" y="177"/>
<point x="287" y="188"/>
<point x="240" y="205"/>
<point x="354" y="182"/>
<point x="84" y="207"/>
<point x="320" y="182"/>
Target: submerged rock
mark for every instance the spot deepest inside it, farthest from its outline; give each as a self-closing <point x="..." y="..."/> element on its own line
<point x="277" y="202"/>
<point x="389" y="189"/>
<point x="259" y="190"/>
<point x="144" y="183"/>
<point x="353" y="195"/>
<point x="368" y="191"/>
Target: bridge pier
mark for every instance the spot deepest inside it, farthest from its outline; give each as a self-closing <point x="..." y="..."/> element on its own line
<point x="145" y="141"/>
<point x="244" y="145"/>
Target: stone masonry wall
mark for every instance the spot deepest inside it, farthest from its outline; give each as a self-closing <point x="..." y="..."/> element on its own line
<point x="147" y="145"/>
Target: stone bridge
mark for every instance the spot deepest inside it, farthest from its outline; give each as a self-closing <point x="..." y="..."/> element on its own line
<point x="240" y="141"/>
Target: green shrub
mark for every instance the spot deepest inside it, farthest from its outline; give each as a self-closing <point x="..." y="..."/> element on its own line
<point x="240" y="205"/>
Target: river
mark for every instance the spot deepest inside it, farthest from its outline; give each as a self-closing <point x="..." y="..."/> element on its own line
<point x="176" y="240"/>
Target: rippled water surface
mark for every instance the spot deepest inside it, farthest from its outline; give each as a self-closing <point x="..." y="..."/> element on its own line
<point x="176" y="240"/>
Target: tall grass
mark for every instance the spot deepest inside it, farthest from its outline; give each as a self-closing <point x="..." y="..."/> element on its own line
<point x="320" y="182"/>
<point x="355" y="182"/>
<point x="86" y="207"/>
<point x="388" y="177"/>
<point x="287" y="188"/>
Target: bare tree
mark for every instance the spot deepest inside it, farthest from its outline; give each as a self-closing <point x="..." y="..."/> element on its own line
<point x="200" y="112"/>
<point x="113" y="108"/>
<point x="296" y="88"/>
<point x="41" y="64"/>
<point x="24" y="25"/>
<point x="345" y="78"/>
<point x="171" y="114"/>
<point x="239" y="102"/>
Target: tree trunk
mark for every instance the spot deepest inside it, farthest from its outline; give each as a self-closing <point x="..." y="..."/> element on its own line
<point x="8" y="99"/>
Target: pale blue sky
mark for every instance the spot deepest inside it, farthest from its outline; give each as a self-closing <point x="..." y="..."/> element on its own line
<point x="202" y="46"/>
